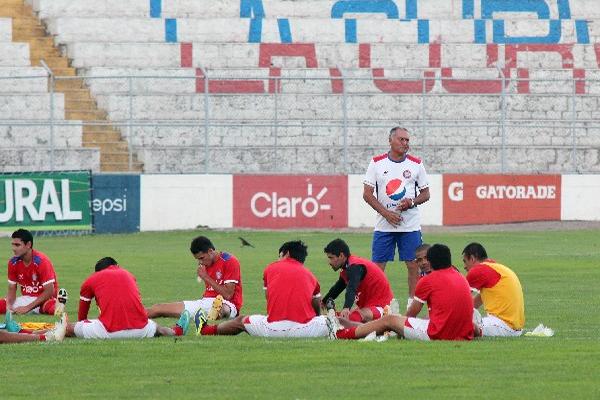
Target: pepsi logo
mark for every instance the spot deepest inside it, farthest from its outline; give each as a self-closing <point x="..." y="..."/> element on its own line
<point x="395" y="189"/>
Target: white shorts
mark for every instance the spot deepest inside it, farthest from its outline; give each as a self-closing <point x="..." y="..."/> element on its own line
<point x="494" y="326"/>
<point x="94" y="329"/>
<point x="417" y="329"/>
<point x="257" y="325"/>
<point x="205" y="303"/>
<point x="25" y="300"/>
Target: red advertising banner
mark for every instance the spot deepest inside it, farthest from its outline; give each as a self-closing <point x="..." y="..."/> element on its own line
<point x="290" y="201"/>
<point x="494" y="199"/>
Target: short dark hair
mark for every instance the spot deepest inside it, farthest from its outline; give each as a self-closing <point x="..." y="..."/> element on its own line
<point x="337" y="247"/>
<point x="424" y="246"/>
<point x="397" y="128"/>
<point x="296" y="249"/>
<point x="24" y="235"/>
<point x="439" y="256"/>
<point x="201" y="244"/>
<point x="475" y="249"/>
<point x="104" y="263"/>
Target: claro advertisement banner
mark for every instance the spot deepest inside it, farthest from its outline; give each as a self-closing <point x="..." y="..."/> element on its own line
<point x="295" y="201"/>
<point x="116" y="203"/>
<point x="45" y="201"/>
<point x="493" y="199"/>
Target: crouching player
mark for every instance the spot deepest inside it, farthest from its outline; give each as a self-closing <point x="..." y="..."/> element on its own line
<point x="293" y="302"/>
<point x="365" y="283"/>
<point x="448" y="298"/>
<point x="122" y="314"/>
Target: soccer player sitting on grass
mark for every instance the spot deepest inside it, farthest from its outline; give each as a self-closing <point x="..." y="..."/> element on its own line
<point x="498" y="289"/>
<point x="293" y="302"/>
<point x="448" y="298"/>
<point x="422" y="261"/>
<point x="32" y="270"/>
<point x="365" y="283"/>
<point x="122" y="314"/>
<point x="220" y="272"/>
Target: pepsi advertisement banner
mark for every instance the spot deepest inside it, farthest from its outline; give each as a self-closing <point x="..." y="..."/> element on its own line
<point x="116" y="203"/>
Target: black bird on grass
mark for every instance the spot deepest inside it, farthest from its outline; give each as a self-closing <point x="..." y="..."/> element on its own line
<point x="245" y="242"/>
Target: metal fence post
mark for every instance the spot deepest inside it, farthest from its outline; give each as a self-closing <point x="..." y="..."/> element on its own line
<point x="276" y="122"/>
<point x="52" y="83"/>
<point x="423" y="110"/>
<point x="206" y="119"/>
<point x="129" y="127"/>
<point x="503" y="121"/>
<point x="345" y="123"/>
<point x="573" y="119"/>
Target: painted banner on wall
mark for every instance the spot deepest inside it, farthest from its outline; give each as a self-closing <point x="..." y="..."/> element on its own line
<point x="45" y="201"/>
<point x="493" y="199"/>
<point x="290" y="201"/>
<point x="116" y="203"/>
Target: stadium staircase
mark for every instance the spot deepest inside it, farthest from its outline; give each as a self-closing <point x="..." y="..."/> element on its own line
<point x="79" y="104"/>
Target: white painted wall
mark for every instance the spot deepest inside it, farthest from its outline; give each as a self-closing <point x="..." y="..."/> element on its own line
<point x="361" y="215"/>
<point x="185" y="201"/>
<point x="579" y="197"/>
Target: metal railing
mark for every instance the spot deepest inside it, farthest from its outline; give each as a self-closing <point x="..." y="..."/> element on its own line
<point x="343" y="118"/>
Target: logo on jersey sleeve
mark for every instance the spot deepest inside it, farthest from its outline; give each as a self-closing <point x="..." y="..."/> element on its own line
<point x="395" y="189"/>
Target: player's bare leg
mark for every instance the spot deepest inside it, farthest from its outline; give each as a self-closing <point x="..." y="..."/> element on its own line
<point x="10" y="337"/>
<point x="387" y="323"/>
<point x="413" y="276"/>
<point x="171" y="310"/>
<point x="231" y="327"/>
<point x="381" y="265"/>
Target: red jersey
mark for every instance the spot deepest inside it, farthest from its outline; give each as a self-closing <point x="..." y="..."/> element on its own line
<point x="118" y="299"/>
<point x="374" y="289"/>
<point x="34" y="276"/>
<point x="226" y="269"/>
<point x="450" y="304"/>
<point x="290" y="287"/>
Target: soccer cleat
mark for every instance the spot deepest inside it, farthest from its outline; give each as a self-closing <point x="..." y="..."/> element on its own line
<point x="10" y="324"/>
<point x="57" y="334"/>
<point x="200" y="319"/>
<point x="333" y="324"/>
<point x="184" y="321"/>
<point x="330" y="304"/>
<point x="61" y="302"/>
<point x="215" y="311"/>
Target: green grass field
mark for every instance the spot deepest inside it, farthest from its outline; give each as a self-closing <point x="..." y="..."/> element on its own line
<point x="559" y="272"/>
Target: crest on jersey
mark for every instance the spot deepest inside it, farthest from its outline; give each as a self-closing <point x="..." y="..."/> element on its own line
<point x="34" y="277"/>
<point x="219" y="275"/>
<point x="406" y="174"/>
<point x="395" y="189"/>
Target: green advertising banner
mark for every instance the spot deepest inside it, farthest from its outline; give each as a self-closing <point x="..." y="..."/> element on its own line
<point x="45" y="201"/>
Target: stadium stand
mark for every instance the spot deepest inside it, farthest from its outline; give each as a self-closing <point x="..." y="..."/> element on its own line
<point x="28" y="140"/>
<point x="297" y="81"/>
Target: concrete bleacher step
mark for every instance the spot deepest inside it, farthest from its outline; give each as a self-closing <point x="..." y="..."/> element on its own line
<point x="79" y="104"/>
<point x="85" y="114"/>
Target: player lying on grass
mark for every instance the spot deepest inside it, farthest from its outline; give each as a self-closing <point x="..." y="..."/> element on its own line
<point x="220" y="272"/>
<point x="122" y="314"/>
<point x="32" y="270"/>
<point x="498" y="289"/>
<point x="448" y="298"/>
<point x="365" y="283"/>
<point x="55" y="334"/>
<point x="293" y="302"/>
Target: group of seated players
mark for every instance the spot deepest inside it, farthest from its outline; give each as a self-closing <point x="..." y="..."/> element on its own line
<point x="295" y="307"/>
